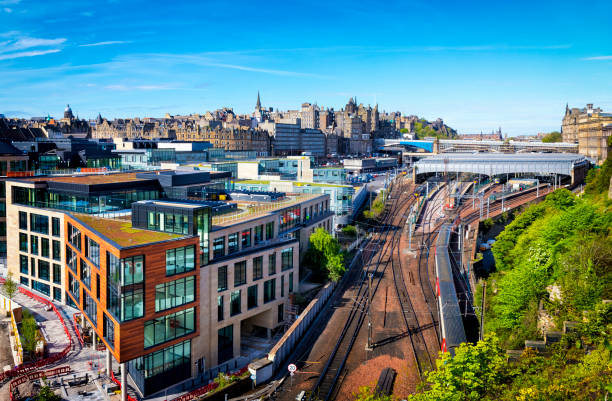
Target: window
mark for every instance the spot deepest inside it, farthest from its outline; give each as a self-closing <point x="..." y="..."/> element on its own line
<point x="259" y="232"/>
<point x="174" y="293"/>
<point x="272" y="263"/>
<point x="169" y="327"/>
<point x="180" y="260"/>
<point x="108" y="330"/>
<point x="235" y="300"/>
<point x="57" y="294"/>
<point x="57" y="250"/>
<point x="40" y="287"/>
<point x="39" y="223"/>
<point x="55" y="226"/>
<point x="98" y="286"/>
<point x="73" y="287"/>
<point x="258" y="268"/>
<point x="225" y="344"/>
<point x="23" y="242"/>
<point x="71" y="259"/>
<point x="90" y="307"/>
<point x="270" y="230"/>
<point x="252" y="297"/>
<point x="85" y="273"/>
<point x="282" y="286"/>
<point x="32" y="267"/>
<point x="24" y="280"/>
<point x="151" y="369"/>
<point x="270" y="290"/>
<point x="287" y="259"/>
<point x="239" y="273"/>
<point x="23" y="264"/>
<point x="222" y="278"/>
<point x="132" y="304"/>
<point x="132" y="269"/>
<point x="219" y="247"/>
<point x="92" y="251"/>
<point x="74" y="236"/>
<point x="23" y="221"/>
<point x="44" y="247"/>
<point x="281" y="309"/>
<point x="57" y="274"/>
<point x="246" y="238"/>
<point x="290" y="282"/>
<point x="43" y="270"/>
<point x="220" y="308"/>
<point x="232" y="243"/>
<point x="33" y="245"/>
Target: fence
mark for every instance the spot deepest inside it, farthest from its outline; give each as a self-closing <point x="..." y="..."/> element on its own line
<point x="118" y="383"/>
<point x="62" y="370"/>
<point x="286" y="344"/>
<point x="256" y="210"/>
<point x="11" y="306"/>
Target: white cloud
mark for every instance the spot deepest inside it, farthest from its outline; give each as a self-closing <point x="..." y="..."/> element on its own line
<point x="109" y="42"/>
<point x="27" y="54"/>
<point x="598" y="58"/>
<point x="26" y="43"/>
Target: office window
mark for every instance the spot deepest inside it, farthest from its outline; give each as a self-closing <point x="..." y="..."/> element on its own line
<point x="23" y="221"/>
<point x="152" y="368"/>
<point x="270" y="230"/>
<point x="281" y="309"/>
<point x="272" y="263"/>
<point x="220" y="316"/>
<point x="55" y="226"/>
<point x="258" y="268"/>
<point x="108" y="330"/>
<point x="246" y="238"/>
<point x="57" y="294"/>
<point x="24" y="280"/>
<point x="259" y="234"/>
<point x="71" y="259"/>
<point x="33" y="244"/>
<point x="219" y="247"/>
<point x="44" y="247"/>
<point x="57" y="274"/>
<point x="235" y="300"/>
<point x="73" y="287"/>
<point x="132" y="304"/>
<point x="90" y="308"/>
<point x="222" y="278"/>
<point x="252" y="297"/>
<point x="23" y="242"/>
<point x="98" y="286"/>
<point x="57" y="250"/>
<point x="32" y="267"/>
<point x="132" y="269"/>
<point x="85" y="273"/>
<point x="92" y="251"/>
<point x="23" y="264"/>
<point x="290" y="282"/>
<point x="169" y="327"/>
<point x="232" y="243"/>
<point x="270" y="290"/>
<point x="39" y="223"/>
<point x="287" y="259"/>
<point x="225" y="344"/>
<point x="174" y="293"/>
<point x="180" y="260"/>
<point x="240" y="273"/>
<point x="43" y="270"/>
<point x="282" y="286"/>
<point x="74" y="236"/>
<point x="41" y="287"/>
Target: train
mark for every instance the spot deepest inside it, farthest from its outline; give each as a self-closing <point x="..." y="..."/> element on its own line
<point x="452" y="331"/>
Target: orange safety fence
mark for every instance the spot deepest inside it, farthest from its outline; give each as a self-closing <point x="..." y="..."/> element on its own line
<point x="62" y="370"/>
<point x="76" y="328"/>
<point x="118" y="383"/>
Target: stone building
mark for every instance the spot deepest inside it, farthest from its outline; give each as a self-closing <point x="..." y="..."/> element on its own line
<point x="591" y="128"/>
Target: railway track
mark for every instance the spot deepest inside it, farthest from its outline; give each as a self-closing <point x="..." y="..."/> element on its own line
<point x="326" y="384"/>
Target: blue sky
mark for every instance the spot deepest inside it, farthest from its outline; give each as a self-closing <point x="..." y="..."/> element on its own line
<point x="477" y="65"/>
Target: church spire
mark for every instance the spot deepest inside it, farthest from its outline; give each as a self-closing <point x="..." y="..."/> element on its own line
<point x="258" y="104"/>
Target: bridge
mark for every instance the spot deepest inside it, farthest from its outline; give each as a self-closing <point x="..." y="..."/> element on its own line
<point x="468" y="145"/>
<point x="493" y="164"/>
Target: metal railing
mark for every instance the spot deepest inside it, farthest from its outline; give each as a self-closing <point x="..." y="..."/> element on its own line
<point x="258" y="209"/>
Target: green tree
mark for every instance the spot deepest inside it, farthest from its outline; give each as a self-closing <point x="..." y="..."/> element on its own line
<point x="324" y="252"/>
<point x="473" y="372"/>
<point x="9" y="288"/>
<point x="350" y="230"/>
<point x="598" y="181"/>
<point x="29" y="332"/>
<point x="46" y="394"/>
<point x="404" y="130"/>
<point x="552" y="137"/>
<point x="367" y="393"/>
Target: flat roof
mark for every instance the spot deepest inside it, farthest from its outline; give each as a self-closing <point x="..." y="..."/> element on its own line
<point x="90" y="179"/>
<point x="122" y="233"/>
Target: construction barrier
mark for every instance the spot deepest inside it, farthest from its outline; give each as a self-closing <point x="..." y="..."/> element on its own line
<point x="37" y="375"/>
<point x="118" y="383"/>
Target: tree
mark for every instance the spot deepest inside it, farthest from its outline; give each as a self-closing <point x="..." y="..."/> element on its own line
<point x="9" y="288"/>
<point x="552" y="137"/>
<point x="350" y="230"/>
<point x="325" y="252"/>
<point x="473" y="372"/>
<point x="404" y="130"/>
<point x="367" y="393"/>
<point x="46" y="394"/>
<point x="29" y="333"/>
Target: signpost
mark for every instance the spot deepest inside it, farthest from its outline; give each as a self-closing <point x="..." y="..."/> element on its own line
<point x="292" y="369"/>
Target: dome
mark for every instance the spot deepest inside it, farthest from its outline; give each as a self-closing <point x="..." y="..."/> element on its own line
<point x="68" y="112"/>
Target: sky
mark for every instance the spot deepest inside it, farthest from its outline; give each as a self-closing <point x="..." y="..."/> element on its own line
<point x="477" y="65"/>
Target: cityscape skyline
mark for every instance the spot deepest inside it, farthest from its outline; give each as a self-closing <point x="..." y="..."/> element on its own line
<point x="509" y="69"/>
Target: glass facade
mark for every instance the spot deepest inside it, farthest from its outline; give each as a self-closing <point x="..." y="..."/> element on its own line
<point x="221" y="278"/>
<point x="257" y="267"/>
<point x="225" y="344"/>
<point x="74" y="236"/>
<point x="174" y="293"/>
<point x="90" y="308"/>
<point x="270" y="290"/>
<point x="169" y="327"/>
<point x="108" y="330"/>
<point x="252" y="297"/>
<point x="57" y="250"/>
<point x="39" y="223"/>
<point x="235" y="301"/>
<point x="85" y="273"/>
<point x="219" y="247"/>
<point x="289" y="218"/>
<point x="92" y="251"/>
<point x="125" y="286"/>
<point x="203" y="221"/>
<point x="232" y="243"/>
<point x="240" y="273"/>
<point x="272" y="263"/>
<point x="287" y="259"/>
<point x="220" y="316"/>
